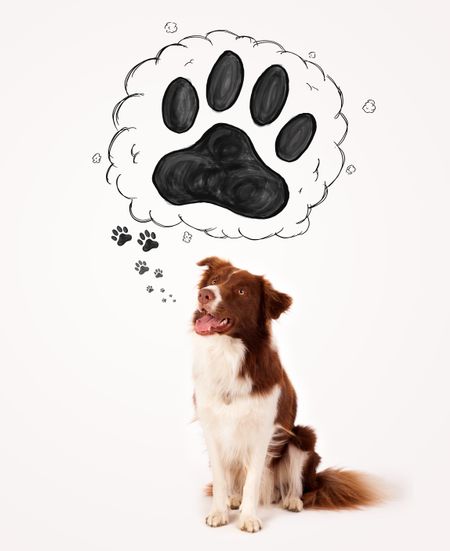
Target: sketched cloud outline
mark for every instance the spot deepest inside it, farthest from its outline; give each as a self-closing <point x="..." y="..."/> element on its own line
<point x="142" y="138"/>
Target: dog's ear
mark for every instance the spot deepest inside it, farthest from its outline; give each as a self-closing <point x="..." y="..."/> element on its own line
<point x="213" y="262"/>
<point x="275" y="303"/>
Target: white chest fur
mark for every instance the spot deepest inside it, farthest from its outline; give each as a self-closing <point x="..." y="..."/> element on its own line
<point x="217" y="364"/>
<point x="227" y="411"/>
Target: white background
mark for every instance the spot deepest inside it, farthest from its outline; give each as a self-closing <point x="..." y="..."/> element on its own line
<point x="96" y="447"/>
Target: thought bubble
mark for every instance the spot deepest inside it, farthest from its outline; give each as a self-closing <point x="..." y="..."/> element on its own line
<point x="170" y="27"/>
<point x="228" y="135"/>
<point x="369" y="106"/>
<point x="187" y="237"/>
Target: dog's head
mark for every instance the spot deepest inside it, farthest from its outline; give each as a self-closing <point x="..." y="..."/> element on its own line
<point x="235" y="302"/>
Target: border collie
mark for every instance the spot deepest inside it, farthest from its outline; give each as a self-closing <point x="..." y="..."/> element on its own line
<point x="247" y="406"/>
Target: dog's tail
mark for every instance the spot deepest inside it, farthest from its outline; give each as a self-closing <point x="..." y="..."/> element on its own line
<point x="342" y="489"/>
<point x="338" y="489"/>
<point x="333" y="488"/>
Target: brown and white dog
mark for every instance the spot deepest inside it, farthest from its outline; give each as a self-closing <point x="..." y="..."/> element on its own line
<point x="247" y="407"/>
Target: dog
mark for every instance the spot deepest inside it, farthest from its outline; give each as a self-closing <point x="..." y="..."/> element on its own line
<point x="247" y="406"/>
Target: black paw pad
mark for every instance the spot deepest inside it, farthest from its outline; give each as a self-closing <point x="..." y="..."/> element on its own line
<point x="295" y="136"/>
<point x="269" y="95"/>
<point x="222" y="168"/>
<point x="225" y="81"/>
<point x="180" y="105"/>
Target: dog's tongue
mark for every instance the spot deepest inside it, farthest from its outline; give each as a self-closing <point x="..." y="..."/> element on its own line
<point x="206" y="324"/>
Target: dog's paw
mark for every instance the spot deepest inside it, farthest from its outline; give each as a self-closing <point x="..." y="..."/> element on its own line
<point x="121" y="235"/>
<point x="225" y="158"/>
<point x="249" y="523"/>
<point x="141" y="267"/>
<point x="235" y="501"/>
<point x="147" y="241"/>
<point x="294" y="504"/>
<point x="276" y="496"/>
<point x="217" y="518"/>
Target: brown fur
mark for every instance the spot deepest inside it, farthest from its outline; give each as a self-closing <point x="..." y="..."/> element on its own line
<point x="252" y="313"/>
<point x="341" y="489"/>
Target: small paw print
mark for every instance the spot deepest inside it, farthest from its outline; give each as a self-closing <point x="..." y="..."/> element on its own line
<point x="162" y="290"/>
<point x="164" y="300"/>
<point x="147" y="241"/>
<point x="150" y="289"/>
<point x="96" y="158"/>
<point x="121" y="235"/>
<point x="158" y="272"/>
<point x="187" y="237"/>
<point x="141" y="267"/>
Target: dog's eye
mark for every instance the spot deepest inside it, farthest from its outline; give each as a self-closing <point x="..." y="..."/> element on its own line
<point x="241" y="291"/>
<point x="213" y="281"/>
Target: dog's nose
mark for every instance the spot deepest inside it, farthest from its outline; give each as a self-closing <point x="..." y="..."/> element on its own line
<point x="205" y="295"/>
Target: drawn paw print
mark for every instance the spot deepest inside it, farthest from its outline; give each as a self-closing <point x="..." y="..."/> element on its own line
<point x="158" y="272"/>
<point x="224" y="161"/>
<point x="141" y="267"/>
<point x="147" y="241"/>
<point x="246" y="137"/>
<point x="150" y="289"/>
<point x="121" y="235"/>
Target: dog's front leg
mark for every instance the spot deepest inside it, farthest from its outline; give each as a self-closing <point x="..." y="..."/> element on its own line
<point x="248" y="520"/>
<point x="218" y="515"/>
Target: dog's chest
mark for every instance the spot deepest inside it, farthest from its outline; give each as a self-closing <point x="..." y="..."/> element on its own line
<point x="225" y="405"/>
<point x="217" y="371"/>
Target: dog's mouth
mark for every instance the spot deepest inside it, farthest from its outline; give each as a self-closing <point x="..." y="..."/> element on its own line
<point x="207" y="324"/>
